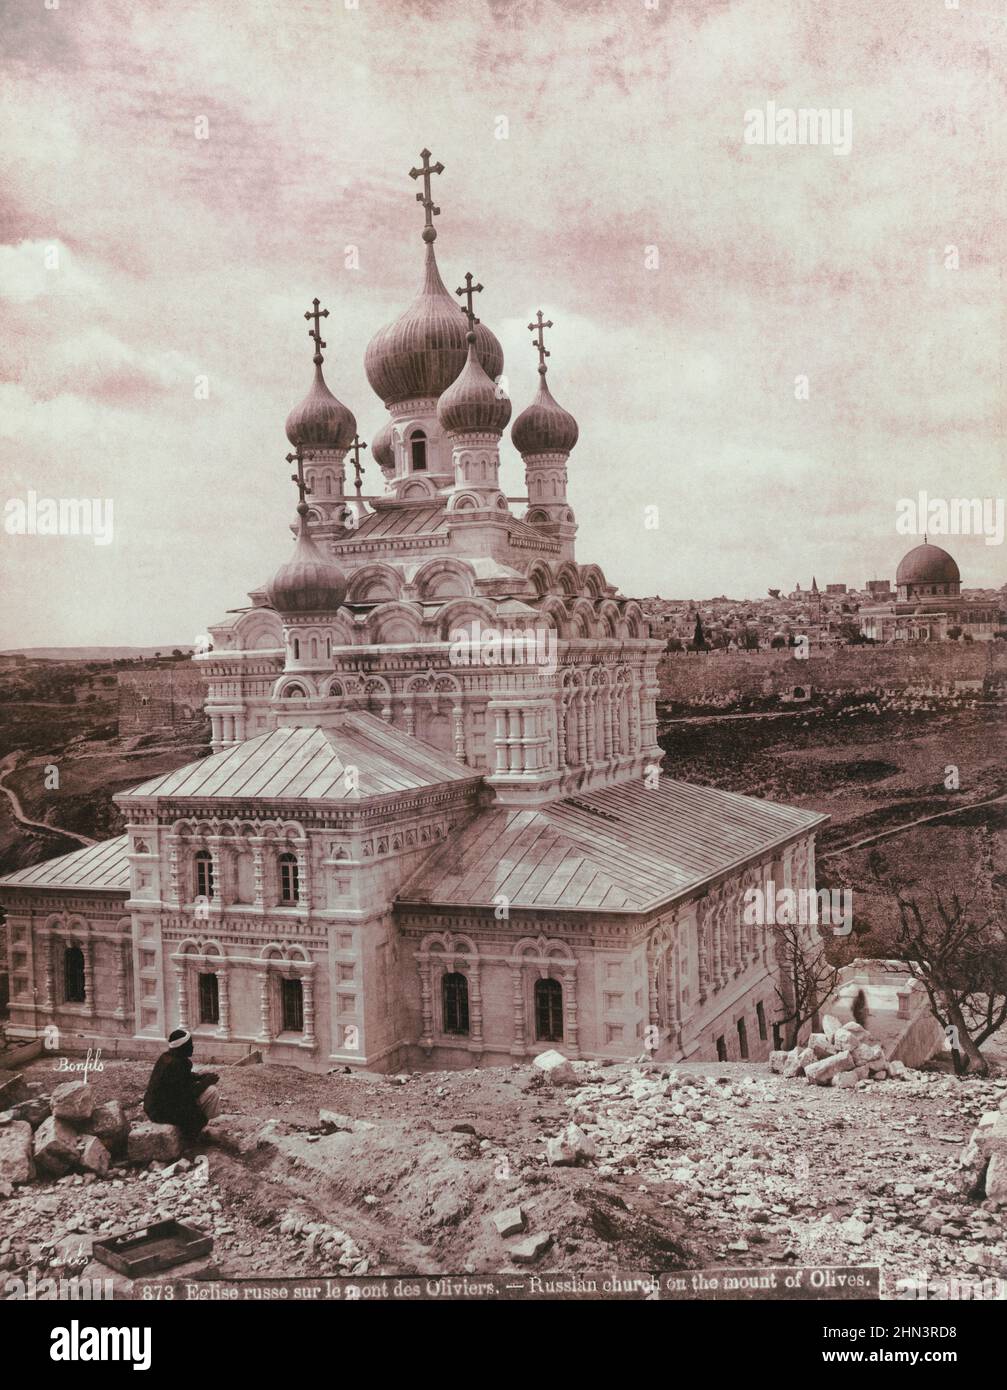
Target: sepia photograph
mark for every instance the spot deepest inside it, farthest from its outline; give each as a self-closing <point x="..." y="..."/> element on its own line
<point x="503" y="669"/>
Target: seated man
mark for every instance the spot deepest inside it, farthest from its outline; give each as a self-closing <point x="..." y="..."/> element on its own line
<point x="174" y="1096"/>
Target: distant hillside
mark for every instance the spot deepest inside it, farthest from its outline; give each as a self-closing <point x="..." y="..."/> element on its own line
<point x="93" y="653"/>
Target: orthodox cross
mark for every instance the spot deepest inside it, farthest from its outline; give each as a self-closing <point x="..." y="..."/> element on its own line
<point x="538" y="327"/>
<point x="425" y="171"/>
<point x="316" y="314"/>
<point x="467" y="291"/>
<point x="298" y="477"/>
<point x="358" y="467"/>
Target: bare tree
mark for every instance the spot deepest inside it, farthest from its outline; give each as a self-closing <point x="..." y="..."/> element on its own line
<point x="954" y="939"/>
<point x="806" y="977"/>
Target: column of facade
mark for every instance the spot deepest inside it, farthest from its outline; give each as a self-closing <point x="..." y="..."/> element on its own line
<point x="48" y="946"/>
<point x="174" y="868"/>
<point x="570" y="1013"/>
<point x="122" y="948"/>
<point x="214" y="843"/>
<point x="265" y="1033"/>
<point x="223" y="1003"/>
<point x="409" y="714"/>
<point x="702" y="957"/>
<point x="581" y="698"/>
<point x="561" y="733"/>
<point x="458" y="731"/>
<point x="182" y="994"/>
<point x="308" y="996"/>
<point x="258" y="844"/>
<point x="89" y="975"/>
<point x="518" y="1047"/>
<point x="653" y="992"/>
<point x="426" y="1002"/>
<point x="476" y="1006"/>
<point x="303" y="886"/>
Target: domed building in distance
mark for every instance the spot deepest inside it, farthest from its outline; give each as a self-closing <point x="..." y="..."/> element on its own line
<point x="928" y="605"/>
<point x="433" y="828"/>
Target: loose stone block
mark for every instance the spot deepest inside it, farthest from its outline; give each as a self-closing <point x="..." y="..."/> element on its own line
<point x="56" y="1147"/>
<point x="555" y="1068"/>
<point x="509" y="1222"/>
<point x="110" y="1125"/>
<point x="528" y="1251"/>
<point x="94" y="1157"/>
<point x="74" y="1100"/>
<point x="821" y="1073"/>
<point x="150" y="1143"/>
<point x="16" y="1163"/>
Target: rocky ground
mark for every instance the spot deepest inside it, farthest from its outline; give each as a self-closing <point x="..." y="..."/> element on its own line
<point x="687" y="1166"/>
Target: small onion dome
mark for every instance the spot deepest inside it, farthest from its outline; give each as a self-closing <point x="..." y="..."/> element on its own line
<point x="927" y="564"/>
<point x="320" y="421"/>
<point x="309" y="582"/>
<point x="381" y="447"/>
<point x="473" y="404"/>
<point x="545" y="427"/>
<point x="423" y="350"/>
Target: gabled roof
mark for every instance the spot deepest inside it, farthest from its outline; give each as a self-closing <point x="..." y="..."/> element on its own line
<point x="292" y="764"/>
<point x="626" y="848"/>
<point x="101" y="867"/>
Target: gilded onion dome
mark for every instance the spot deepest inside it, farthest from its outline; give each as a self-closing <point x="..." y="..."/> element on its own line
<point x="544" y="427"/>
<point x="473" y="404"/>
<point x="321" y="421"/>
<point x="309" y="582"/>
<point x="424" y="349"/>
<point x="382" y="450"/>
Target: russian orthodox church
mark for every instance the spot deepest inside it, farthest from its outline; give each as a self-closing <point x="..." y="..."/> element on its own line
<point x="433" y="828"/>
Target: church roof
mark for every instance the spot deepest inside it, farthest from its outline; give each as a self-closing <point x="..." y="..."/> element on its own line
<point x="100" y="867"/>
<point x="293" y="764"/>
<point x="389" y="522"/>
<point x="625" y="848"/>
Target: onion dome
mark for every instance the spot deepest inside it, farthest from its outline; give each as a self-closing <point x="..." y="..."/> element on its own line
<point x="382" y="450"/>
<point x="320" y="421"/>
<point x="927" y="564"/>
<point x="423" y="350"/>
<point x="545" y="427"/>
<point x="473" y="404"/>
<point x="309" y="582"/>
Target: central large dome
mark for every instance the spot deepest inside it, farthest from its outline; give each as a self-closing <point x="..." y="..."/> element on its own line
<point x="927" y="564"/>
<point x="424" y="349"/>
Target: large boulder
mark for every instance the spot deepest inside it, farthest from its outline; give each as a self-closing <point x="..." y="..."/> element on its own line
<point x="778" y="1060"/>
<point x="793" y="1066"/>
<point x="16" y="1162"/>
<point x="56" y="1147"/>
<point x="821" y="1073"/>
<point x="555" y="1068"/>
<point x="571" y="1147"/>
<point x="74" y="1100"/>
<point x="849" y="1035"/>
<point x="150" y="1143"/>
<point x="94" y="1157"/>
<point x="820" y="1045"/>
<point x="868" y="1054"/>
<point x="33" y="1110"/>
<point x="996" y="1177"/>
<point x="108" y="1122"/>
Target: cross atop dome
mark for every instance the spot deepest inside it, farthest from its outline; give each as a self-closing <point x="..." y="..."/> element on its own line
<point x="317" y="314"/>
<point x="429" y="209"/>
<point x="467" y="291"/>
<point x="539" y="327"/>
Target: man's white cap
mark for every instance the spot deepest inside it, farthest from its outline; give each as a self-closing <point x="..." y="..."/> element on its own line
<point x="179" y="1038"/>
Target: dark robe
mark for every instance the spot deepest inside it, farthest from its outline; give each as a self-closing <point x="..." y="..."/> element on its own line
<point x="172" y="1093"/>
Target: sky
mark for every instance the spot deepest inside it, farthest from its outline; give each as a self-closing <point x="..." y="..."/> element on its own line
<point x="771" y="344"/>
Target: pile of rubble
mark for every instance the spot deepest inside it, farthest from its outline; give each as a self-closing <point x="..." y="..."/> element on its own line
<point x="842" y="1054"/>
<point x="49" y="1136"/>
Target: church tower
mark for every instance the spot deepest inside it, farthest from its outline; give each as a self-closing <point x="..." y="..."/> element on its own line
<point x="543" y="435"/>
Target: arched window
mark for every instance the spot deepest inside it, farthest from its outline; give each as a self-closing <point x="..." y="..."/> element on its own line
<point x="418" y="451"/>
<point x="294" y="692"/>
<point x="288" y="878"/>
<point x="74" y="983"/>
<point x="328" y="646"/>
<point x="292" y="1006"/>
<point x="455" y="1001"/>
<point x="548" y="1010"/>
<point x="297" y="650"/>
<point x="209" y="999"/>
<point x="204" y="874"/>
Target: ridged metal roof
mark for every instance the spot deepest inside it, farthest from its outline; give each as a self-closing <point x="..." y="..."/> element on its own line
<point x="623" y="849"/>
<point x="101" y="866"/>
<point x="309" y="765"/>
